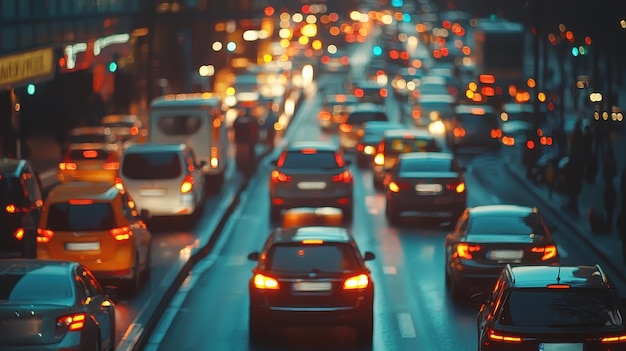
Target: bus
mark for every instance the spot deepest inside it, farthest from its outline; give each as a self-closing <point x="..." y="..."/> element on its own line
<point x="196" y="119"/>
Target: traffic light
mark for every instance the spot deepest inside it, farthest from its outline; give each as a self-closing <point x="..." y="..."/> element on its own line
<point x="112" y="66"/>
<point x="377" y="50"/>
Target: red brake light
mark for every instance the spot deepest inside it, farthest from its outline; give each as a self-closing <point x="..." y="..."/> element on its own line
<point x="186" y="185"/>
<point x="111" y="166"/>
<point x="346" y="128"/>
<point x="383" y="92"/>
<point x="613" y="339"/>
<point x="360" y="281"/>
<point x="558" y="286"/>
<point x="80" y="202"/>
<point x="464" y="250"/>
<point x="90" y="154"/>
<point x="458" y="187"/>
<point x="344" y="177"/>
<point x="493" y="335"/>
<point x="19" y="233"/>
<point x="325" y="59"/>
<point x="11" y="208"/>
<point x="70" y="166"/>
<point x="458" y="132"/>
<point x="279" y="177"/>
<point x="548" y="251"/>
<point x="324" y="115"/>
<point x="120" y="234"/>
<point x="72" y="322"/>
<point x="358" y="92"/>
<point x="134" y="130"/>
<point x="265" y="283"/>
<point x="44" y="235"/>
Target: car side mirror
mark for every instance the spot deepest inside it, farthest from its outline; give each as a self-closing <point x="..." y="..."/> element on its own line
<point x="369" y="256"/>
<point x="253" y="256"/>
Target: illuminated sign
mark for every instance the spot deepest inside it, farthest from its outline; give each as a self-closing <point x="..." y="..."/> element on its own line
<point x="26" y="67"/>
<point x="101" y="51"/>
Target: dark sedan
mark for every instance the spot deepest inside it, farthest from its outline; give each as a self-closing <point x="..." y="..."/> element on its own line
<point x="487" y="238"/>
<point x="428" y="183"/>
<point x="311" y="276"/>
<point x="53" y="305"/>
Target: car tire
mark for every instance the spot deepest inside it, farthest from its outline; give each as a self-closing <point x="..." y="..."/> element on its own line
<point x="391" y="214"/>
<point x="257" y="330"/>
<point x="365" y="332"/>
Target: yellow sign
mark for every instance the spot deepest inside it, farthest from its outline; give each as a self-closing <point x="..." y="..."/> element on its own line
<point x="25" y="67"/>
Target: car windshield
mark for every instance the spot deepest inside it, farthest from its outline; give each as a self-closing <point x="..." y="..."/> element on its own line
<point x="530" y="224"/>
<point x="34" y="285"/>
<point x="434" y="165"/>
<point x="555" y="308"/>
<point x="81" y="216"/>
<point x="151" y="165"/>
<point x="333" y="258"/>
<point x="305" y="160"/>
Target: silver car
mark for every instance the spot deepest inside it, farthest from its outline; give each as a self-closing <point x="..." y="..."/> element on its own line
<point x="163" y="178"/>
<point x="311" y="174"/>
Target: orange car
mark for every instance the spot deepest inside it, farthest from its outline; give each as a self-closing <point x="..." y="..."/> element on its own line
<point x="89" y="164"/>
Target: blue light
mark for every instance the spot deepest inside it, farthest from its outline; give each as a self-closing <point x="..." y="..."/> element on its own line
<point x="575" y="51"/>
<point x="406" y="18"/>
<point x="112" y="66"/>
<point x="397" y="3"/>
<point x="377" y="50"/>
<point x="231" y="46"/>
<point x="30" y="89"/>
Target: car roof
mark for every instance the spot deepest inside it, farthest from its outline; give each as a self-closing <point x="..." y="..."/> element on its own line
<point x="501" y="210"/>
<point x="83" y="190"/>
<point x="12" y="166"/>
<point x="20" y="265"/>
<point x="407" y="133"/>
<point x="90" y="130"/>
<point x="573" y="275"/>
<point x="155" y="147"/>
<point x="313" y="144"/>
<point x="383" y="125"/>
<point x="473" y="109"/>
<point x="418" y="155"/>
<point x="325" y="233"/>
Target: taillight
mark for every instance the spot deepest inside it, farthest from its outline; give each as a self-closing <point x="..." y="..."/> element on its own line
<point x="111" y="166"/>
<point x="496" y="133"/>
<point x="11" y="208"/>
<point x="358" y="92"/>
<point x="396" y="187"/>
<point x="67" y="166"/>
<point x="383" y="92"/>
<point x="44" y="235"/>
<point x="346" y="128"/>
<point x="279" y="177"/>
<point x="345" y="60"/>
<point x="265" y="283"/>
<point x="121" y="234"/>
<point x="186" y="185"/>
<point x="458" y="132"/>
<point x="72" y="322"/>
<point x="379" y="159"/>
<point x="325" y="59"/>
<point x="613" y="339"/>
<point x="343" y="177"/>
<point x="465" y="250"/>
<point x="324" y="115"/>
<point x="357" y="282"/>
<point x="496" y="336"/>
<point x="134" y="130"/>
<point x="459" y="188"/>
<point x="19" y="234"/>
<point x="549" y="252"/>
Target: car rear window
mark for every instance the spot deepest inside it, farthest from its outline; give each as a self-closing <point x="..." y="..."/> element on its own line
<point x="362" y="117"/>
<point x="82" y="216"/>
<point x="151" y="165"/>
<point x="179" y="125"/>
<point x="299" y="258"/>
<point x="507" y="225"/>
<point x="555" y="308"/>
<point x="88" y="155"/>
<point x="89" y="139"/>
<point x="473" y="122"/>
<point x="434" y="165"/>
<point x="313" y="160"/>
<point x="27" y="286"/>
<point x="403" y="145"/>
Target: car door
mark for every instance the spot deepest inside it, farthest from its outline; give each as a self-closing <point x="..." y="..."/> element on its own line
<point x="99" y="305"/>
<point x="141" y="234"/>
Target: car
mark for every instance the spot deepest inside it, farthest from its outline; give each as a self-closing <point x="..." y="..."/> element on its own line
<point x="54" y="305"/>
<point x="430" y="183"/>
<point x="394" y="143"/>
<point x="334" y="110"/>
<point x="519" y="120"/>
<point x="372" y="133"/>
<point x="431" y="108"/>
<point x="311" y="276"/>
<point x="545" y="307"/>
<point x="126" y="128"/>
<point x="86" y="163"/>
<point x="351" y="130"/>
<point x="311" y="174"/>
<point x="371" y="91"/>
<point x="95" y="137"/>
<point x="335" y="60"/>
<point x="488" y="237"/>
<point x="21" y="204"/>
<point x="406" y="82"/>
<point x="474" y="126"/>
<point x="100" y="226"/>
<point x="165" y="179"/>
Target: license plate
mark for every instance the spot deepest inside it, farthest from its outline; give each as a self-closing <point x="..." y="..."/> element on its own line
<point x="561" y="347"/>
<point x="20" y="327"/>
<point x="428" y="188"/>
<point x="311" y="185"/>
<point x="82" y="246"/>
<point x="311" y="286"/>
<point x="152" y="192"/>
<point x="505" y="254"/>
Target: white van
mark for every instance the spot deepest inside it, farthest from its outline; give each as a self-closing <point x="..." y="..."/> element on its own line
<point x="196" y="119"/>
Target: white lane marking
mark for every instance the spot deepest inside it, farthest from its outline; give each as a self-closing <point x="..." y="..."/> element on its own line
<point x="405" y="323"/>
<point x="390" y="270"/>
